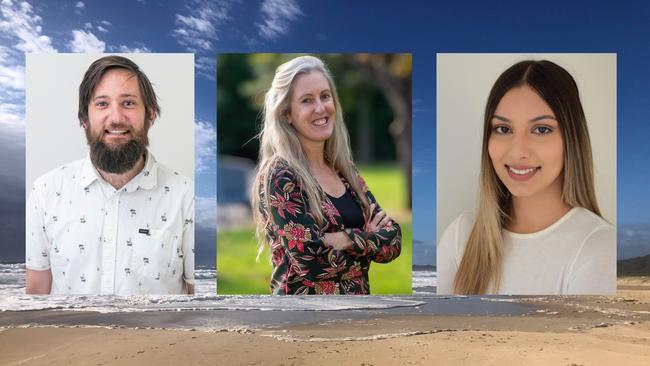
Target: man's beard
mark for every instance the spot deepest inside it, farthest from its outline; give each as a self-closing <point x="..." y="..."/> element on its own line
<point x="117" y="159"/>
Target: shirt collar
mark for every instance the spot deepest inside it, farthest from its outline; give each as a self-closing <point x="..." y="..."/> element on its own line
<point x="146" y="179"/>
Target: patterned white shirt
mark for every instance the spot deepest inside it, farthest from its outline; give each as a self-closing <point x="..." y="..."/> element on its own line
<point x="99" y="240"/>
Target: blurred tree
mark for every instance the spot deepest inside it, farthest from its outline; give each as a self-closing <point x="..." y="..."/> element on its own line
<point x="392" y="73"/>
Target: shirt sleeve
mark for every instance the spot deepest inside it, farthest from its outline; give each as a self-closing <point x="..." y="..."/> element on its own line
<point x="381" y="246"/>
<point x="594" y="270"/>
<point x="188" y="238"/>
<point x="294" y="227"/>
<point x="37" y="245"/>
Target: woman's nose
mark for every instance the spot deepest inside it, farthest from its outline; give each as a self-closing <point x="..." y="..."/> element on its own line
<point x="520" y="146"/>
<point x="320" y="107"/>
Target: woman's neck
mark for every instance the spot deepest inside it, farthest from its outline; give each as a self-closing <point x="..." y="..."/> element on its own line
<point x="535" y="213"/>
<point x="315" y="153"/>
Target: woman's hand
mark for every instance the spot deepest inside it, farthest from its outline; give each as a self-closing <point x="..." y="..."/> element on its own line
<point x="377" y="220"/>
<point x="337" y="241"/>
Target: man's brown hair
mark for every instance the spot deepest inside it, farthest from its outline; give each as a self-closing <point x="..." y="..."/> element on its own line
<point x="95" y="72"/>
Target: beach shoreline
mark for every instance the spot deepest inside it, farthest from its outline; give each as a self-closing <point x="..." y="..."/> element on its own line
<point x="555" y="330"/>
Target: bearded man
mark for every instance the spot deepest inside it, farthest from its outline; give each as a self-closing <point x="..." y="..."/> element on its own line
<point x="116" y="222"/>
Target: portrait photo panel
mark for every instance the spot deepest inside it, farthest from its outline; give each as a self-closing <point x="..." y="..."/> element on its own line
<point x="506" y="189"/>
<point x="110" y="174"/>
<point x="314" y="155"/>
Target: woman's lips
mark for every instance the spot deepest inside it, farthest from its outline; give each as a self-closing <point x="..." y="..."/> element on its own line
<point x="521" y="173"/>
<point x="320" y="122"/>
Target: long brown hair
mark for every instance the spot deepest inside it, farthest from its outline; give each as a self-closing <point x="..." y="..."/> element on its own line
<point x="480" y="268"/>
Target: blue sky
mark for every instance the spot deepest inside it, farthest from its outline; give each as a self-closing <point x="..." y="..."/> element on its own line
<point x="209" y="27"/>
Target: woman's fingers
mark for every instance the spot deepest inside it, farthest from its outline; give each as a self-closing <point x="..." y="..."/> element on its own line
<point x="384" y="221"/>
<point x="377" y="218"/>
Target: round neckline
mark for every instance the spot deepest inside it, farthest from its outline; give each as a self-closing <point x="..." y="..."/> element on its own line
<point x="545" y="230"/>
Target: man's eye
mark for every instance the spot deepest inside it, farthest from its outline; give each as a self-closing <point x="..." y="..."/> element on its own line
<point x="502" y="130"/>
<point x="542" y="130"/>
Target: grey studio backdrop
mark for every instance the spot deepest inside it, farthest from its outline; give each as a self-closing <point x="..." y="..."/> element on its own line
<point x="52" y="132"/>
<point x="463" y="84"/>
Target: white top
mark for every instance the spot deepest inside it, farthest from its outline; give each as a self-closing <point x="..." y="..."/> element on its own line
<point x="575" y="255"/>
<point x="98" y="240"/>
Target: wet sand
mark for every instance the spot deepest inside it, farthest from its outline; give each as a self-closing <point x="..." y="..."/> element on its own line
<point x="573" y="330"/>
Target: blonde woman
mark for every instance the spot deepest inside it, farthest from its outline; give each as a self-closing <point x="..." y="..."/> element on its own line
<point x="537" y="229"/>
<point x="315" y="212"/>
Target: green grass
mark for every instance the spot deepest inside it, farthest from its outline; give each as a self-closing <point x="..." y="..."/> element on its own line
<point x="239" y="273"/>
<point x="387" y="184"/>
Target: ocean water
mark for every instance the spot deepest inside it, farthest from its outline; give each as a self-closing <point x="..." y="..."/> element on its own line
<point x="13" y="298"/>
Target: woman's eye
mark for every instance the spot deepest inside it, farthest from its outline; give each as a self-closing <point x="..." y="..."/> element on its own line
<point x="101" y="104"/>
<point x="502" y="130"/>
<point x="128" y="103"/>
<point x="542" y="130"/>
<point x="326" y="97"/>
<point x="306" y="101"/>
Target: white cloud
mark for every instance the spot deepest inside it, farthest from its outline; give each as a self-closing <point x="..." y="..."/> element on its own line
<point x="106" y="23"/>
<point x="19" y="22"/>
<point x="138" y="49"/>
<point x="102" y="29"/>
<point x="21" y="32"/>
<point x="205" y="140"/>
<point x="205" y="212"/>
<point x="88" y="25"/>
<point x="206" y="66"/>
<point x="79" y="7"/>
<point x="199" y="27"/>
<point x="277" y="16"/>
<point x="85" y="42"/>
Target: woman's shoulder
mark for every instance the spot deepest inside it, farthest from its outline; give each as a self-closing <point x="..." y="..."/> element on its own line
<point x="589" y="224"/>
<point x="280" y="169"/>
<point x="282" y="176"/>
<point x="458" y="231"/>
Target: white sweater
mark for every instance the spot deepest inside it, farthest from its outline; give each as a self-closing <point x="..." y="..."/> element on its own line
<point x="575" y="255"/>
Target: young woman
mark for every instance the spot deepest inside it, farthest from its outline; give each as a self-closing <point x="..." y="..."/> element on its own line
<point x="322" y="224"/>
<point x="537" y="229"/>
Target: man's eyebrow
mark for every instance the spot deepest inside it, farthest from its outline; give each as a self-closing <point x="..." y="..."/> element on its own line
<point x="125" y="95"/>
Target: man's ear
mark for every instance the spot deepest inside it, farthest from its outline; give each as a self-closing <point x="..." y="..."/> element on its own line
<point x="152" y="117"/>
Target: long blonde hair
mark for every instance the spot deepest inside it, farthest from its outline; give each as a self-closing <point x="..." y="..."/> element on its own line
<point x="481" y="266"/>
<point x="279" y="143"/>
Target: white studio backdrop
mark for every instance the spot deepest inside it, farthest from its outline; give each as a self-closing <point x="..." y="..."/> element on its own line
<point x="463" y="85"/>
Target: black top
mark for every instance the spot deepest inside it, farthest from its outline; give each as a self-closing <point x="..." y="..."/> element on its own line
<point x="350" y="211"/>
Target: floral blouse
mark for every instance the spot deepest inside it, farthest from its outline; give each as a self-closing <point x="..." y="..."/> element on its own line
<point x="302" y="264"/>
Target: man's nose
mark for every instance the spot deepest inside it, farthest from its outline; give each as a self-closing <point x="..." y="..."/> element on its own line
<point x="116" y="114"/>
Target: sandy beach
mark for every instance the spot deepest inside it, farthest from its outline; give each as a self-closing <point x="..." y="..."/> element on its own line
<point x="592" y="330"/>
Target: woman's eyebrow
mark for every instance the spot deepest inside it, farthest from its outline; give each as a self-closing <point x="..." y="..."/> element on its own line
<point x="539" y="118"/>
<point x="501" y="118"/>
